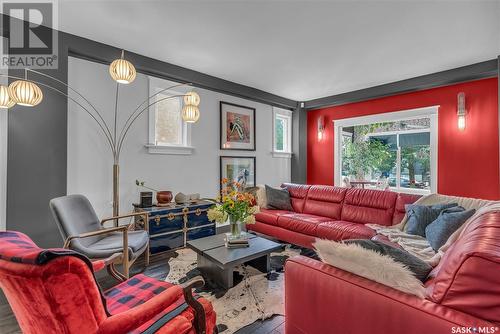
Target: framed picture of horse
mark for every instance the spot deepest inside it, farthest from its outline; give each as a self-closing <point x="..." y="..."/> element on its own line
<point x="238" y="169"/>
<point x="237" y="127"/>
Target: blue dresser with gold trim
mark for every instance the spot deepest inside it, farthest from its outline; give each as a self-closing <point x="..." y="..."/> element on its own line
<point x="171" y="227"/>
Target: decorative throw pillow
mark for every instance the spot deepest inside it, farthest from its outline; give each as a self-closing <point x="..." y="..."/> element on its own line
<point x="278" y="199"/>
<point x="419" y="216"/>
<point x="369" y="264"/>
<point x="450" y="220"/>
<point x="420" y="268"/>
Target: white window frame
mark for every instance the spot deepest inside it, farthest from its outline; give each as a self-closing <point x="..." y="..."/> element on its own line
<point x="287" y="141"/>
<point x="427" y="112"/>
<point x="155" y="85"/>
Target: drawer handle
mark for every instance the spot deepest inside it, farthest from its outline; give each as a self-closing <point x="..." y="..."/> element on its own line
<point x="171" y="216"/>
<point x="157" y="220"/>
<point x="198" y="212"/>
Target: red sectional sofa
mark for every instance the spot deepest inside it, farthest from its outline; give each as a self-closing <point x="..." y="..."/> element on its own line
<point x="333" y="213"/>
<point x="464" y="293"/>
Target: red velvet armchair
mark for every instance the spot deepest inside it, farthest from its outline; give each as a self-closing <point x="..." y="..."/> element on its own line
<point x="55" y="291"/>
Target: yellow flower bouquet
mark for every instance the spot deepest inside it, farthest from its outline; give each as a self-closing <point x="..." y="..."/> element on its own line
<point x="234" y="205"/>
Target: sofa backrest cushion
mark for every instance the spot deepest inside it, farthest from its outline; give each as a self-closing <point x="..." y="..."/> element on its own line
<point x="367" y="206"/>
<point x="325" y="201"/>
<point x="399" y="210"/>
<point x="298" y="194"/>
<point x="467" y="278"/>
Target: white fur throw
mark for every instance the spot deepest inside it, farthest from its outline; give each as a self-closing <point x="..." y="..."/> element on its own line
<point x="369" y="264"/>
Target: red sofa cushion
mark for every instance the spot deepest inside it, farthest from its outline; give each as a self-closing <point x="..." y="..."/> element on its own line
<point x="399" y="210"/>
<point x="302" y="223"/>
<point x="367" y="206"/>
<point x="298" y="194"/>
<point x="467" y="277"/>
<point x="340" y="230"/>
<point x="325" y="201"/>
<point x="269" y="216"/>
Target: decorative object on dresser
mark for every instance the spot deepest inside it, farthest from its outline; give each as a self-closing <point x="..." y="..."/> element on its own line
<point x="171" y="227"/>
<point x="234" y="206"/>
<point x="162" y="196"/>
<point x="238" y="169"/>
<point x="237" y="127"/>
<point x="218" y="262"/>
<point x="182" y="198"/>
<point x="146" y="199"/>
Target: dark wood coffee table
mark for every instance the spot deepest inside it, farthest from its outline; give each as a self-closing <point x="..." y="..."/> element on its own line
<point x="218" y="262"/>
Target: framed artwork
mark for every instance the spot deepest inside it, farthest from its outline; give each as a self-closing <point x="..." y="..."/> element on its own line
<point x="237" y="127"/>
<point x="239" y="169"/>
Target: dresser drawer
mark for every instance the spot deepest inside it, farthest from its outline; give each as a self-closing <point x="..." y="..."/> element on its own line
<point x="198" y="217"/>
<point x="161" y="222"/>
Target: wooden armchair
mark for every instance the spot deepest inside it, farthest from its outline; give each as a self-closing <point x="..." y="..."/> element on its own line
<point x="82" y="232"/>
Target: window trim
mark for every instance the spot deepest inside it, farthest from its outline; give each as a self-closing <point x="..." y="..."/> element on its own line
<point x="185" y="148"/>
<point x="430" y="112"/>
<point x="287" y="149"/>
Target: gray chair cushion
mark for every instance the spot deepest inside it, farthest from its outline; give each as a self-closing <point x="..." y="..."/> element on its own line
<point x="419" y="216"/>
<point x="420" y="268"/>
<point x="75" y="215"/>
<point x="278" y="199"/>
<point x="113" y="243"/>
<point x="450" y="220"/>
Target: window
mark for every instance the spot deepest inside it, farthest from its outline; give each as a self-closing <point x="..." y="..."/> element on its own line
<point x="282" y="132"/>
<point x="168" y="133"/>
<point x="395" y="150"/>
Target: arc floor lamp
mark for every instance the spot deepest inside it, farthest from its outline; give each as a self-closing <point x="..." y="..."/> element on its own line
<point x="27" y="92"/>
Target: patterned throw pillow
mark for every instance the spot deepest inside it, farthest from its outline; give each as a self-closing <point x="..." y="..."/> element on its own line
<point x="278" y="199"/>
<point x="450" y="220"/>
<point x="419" y="216"/>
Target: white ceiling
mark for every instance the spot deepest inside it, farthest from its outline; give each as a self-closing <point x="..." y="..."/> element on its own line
<point x="296" y="49"/>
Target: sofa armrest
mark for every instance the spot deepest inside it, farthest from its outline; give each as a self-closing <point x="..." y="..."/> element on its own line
<point x="340" y="302"/>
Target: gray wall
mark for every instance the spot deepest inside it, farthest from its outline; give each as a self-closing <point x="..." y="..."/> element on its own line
<point x="36" y="160"/>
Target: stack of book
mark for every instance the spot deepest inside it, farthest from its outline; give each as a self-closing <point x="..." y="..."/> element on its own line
<point x="237" y="243"/>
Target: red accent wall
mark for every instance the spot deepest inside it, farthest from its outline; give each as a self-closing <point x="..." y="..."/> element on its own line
<point x="468" y="161"/>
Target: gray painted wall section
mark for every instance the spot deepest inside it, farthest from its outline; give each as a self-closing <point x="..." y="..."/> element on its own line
<point x="299" y="145"/>
<point x="36" y="160"/>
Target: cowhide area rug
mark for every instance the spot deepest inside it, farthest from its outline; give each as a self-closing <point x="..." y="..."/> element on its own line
<point x="254" y="296"/>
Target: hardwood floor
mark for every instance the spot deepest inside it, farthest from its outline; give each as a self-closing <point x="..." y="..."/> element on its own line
<point x="158" y="269"/>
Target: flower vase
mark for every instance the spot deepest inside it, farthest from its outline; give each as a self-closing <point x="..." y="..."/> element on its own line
<point x="235" y="230"/>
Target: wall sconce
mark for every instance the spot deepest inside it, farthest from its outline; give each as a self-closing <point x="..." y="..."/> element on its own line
<point x="321" y="127"/>
<point x="461" y="111"/>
